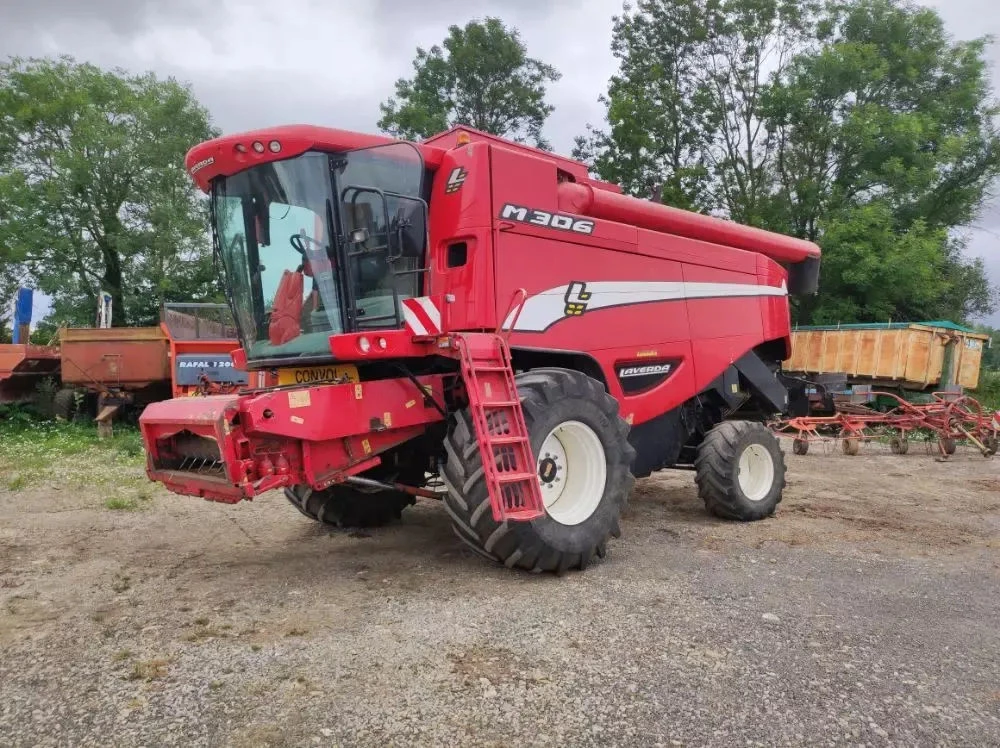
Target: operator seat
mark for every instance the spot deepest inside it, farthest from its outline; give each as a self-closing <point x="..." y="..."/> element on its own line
<point x="286" y="312"/>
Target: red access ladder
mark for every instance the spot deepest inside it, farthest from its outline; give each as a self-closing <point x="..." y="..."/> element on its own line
<point x="508" y="462"/>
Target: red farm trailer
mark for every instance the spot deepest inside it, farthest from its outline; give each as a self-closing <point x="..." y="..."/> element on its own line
<point x="126" y="368"/>
<point x="23" y="367"/>
<point x="479" y="315"/>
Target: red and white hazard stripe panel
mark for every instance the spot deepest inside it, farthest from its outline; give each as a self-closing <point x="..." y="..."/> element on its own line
<point x="421" y="316"/>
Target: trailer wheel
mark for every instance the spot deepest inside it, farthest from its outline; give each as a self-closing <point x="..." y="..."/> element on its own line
<point x="851" y="446"/>
<point x="740" y="471"/>
<point x="800" y="446"/>
<point x="947" y="445"/>
<point x="899" y="445"/>
<point x="64" y="404"/>
<point x="346" y="506"/>
<point x="574" y="426"/>
<point x="991" y="444"/>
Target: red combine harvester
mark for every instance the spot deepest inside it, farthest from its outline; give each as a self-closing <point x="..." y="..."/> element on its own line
<point x="476" y="313"/>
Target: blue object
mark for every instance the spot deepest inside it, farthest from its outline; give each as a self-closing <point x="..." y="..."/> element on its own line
<point x="22" y="313"/>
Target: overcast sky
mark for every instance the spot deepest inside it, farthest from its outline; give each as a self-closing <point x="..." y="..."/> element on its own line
<point x="256" y="63"/>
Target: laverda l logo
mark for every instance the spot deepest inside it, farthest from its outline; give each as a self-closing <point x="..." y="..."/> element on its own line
<point x="644" y="371"/>
<point x="549" y="220"/>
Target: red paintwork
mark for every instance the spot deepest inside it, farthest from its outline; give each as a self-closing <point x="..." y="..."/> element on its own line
<point x="586" y="201"/>
<point x="632" y="240"/>
<point x="289" y="423"/>
<point x="504" y="444"/>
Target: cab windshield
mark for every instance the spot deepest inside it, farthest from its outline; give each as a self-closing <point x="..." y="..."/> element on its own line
<point x="320" y="244"/>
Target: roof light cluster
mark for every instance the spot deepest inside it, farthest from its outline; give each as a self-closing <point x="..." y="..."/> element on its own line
<point x="274" y="146"/>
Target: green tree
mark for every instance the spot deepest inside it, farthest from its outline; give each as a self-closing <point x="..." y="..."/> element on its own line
<point x="685" y="111"/>
<point x="655" y="143"/>
<point x="887" y="129"/>
<point x="93" y="193"/>
<point x="860" y="125"/>
<point x="482" y="78"/>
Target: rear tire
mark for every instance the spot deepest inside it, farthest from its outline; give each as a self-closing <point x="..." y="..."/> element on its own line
<point x="577" y="422"/>
<point x="740" y="471"/>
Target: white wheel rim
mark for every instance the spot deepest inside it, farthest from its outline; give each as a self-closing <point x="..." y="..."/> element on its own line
<point x="572" y="472"/>
<point x="755" y="472"/>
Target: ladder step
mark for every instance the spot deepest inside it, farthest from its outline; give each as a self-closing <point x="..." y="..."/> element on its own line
<point x="496" y="406"/>
<point x="523" y="515"/>
<point x="515" y="477"/>
<point x="499" y="440"/>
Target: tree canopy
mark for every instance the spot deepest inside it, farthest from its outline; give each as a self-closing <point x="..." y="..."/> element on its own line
<point x="483" y="78"/>
<point x="93" y="191"/>
<point x="860" y="125"/>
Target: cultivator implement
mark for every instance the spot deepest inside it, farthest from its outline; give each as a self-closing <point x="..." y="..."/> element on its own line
<point x="947" y="419"/>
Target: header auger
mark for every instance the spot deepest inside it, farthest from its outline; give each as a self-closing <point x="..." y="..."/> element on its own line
<point x="478" y="321"/>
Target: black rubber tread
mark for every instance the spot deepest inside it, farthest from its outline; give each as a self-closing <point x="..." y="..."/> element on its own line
<point x="548" y="396"/>
<point x="800" y="446"/>
<point x="718" y="461"/>
<point x="899" y="446"/>
<point x="64" y="404"/>
<point x="947" y="445"/>
<point x="344" y="506"/>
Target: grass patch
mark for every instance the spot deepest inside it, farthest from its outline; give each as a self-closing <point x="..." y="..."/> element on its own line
<point x="988" y="391"/>
<point x="149" y="670"/>
<point x="68" y="454"/>
<point x="122" y="655"/>
<point x="128" y="503"/>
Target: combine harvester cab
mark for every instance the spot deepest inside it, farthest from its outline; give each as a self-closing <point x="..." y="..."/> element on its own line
<point x="477" y="321"/>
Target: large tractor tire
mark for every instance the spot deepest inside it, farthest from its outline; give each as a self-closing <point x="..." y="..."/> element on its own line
<point x="348" y="506"/>
<point x="740" y="471"/>
<point x="583" y="459"/>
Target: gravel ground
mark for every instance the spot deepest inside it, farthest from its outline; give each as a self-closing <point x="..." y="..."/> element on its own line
<point x="865" y="612"/>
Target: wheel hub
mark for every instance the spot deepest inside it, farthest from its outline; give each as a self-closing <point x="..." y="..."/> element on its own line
<point x="548" y="470"/>
<point x="755" y="472"/>
<point x="572" y="472"/>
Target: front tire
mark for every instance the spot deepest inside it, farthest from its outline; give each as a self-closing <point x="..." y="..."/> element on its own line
<point x="740" y="471"/>
<point x="583" y="459"/>
<point x="343" y="506"/>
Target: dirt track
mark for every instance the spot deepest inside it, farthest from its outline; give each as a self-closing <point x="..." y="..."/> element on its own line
<point x="865" y="612"/>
